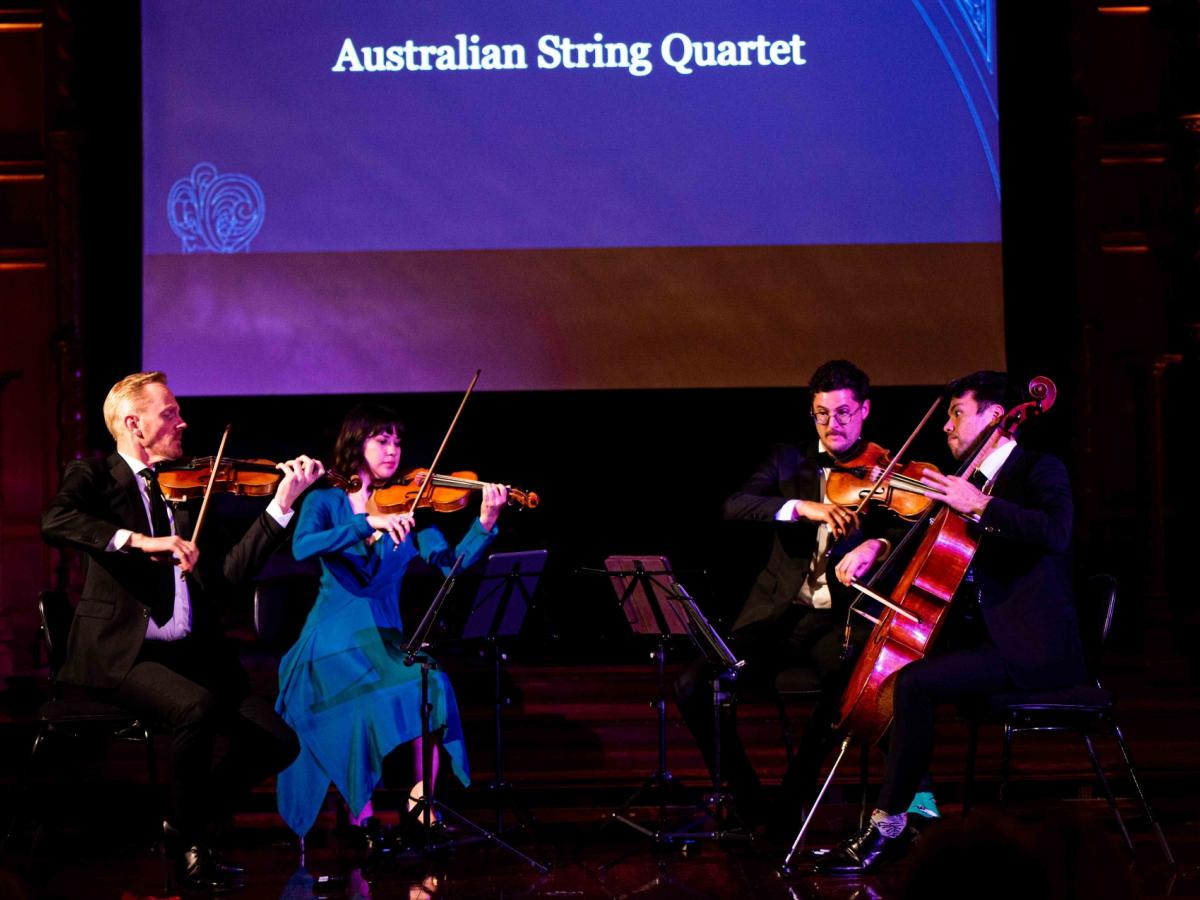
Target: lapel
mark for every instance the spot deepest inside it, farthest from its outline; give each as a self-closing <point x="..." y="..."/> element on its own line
<point x="1004" y="478"/>
<point x="807" y="483"/>
<point x="127" y="503"/>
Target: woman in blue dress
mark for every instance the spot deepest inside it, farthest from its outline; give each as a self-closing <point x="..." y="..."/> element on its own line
<point x="344" y="687"/>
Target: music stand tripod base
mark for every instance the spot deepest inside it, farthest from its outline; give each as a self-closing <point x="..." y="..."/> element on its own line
<point x="655" y="604"/>
<point x="504" y="597"/>
<point x="426" y="807"/>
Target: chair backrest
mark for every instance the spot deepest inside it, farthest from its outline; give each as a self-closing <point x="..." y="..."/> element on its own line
<point x="1097" y="604"/>
<point x="281" y="605"/>
<point x="55" y="613"/>
<point x="1103" y="590"/>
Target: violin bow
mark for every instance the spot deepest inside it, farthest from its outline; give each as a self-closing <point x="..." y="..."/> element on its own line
<point x="899" y="454"/>
<point x="437" y="457"/>
<point x="212" y="479"/>
<point x="865" y="590"/>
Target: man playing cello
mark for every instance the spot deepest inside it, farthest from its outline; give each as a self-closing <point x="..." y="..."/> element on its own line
<point x="1012" y="623"/>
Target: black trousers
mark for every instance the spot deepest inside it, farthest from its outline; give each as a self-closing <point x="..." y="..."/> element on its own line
<point x="951" y="677"/>
<point x="197" y="689"/>
<point x="803" y="637"/>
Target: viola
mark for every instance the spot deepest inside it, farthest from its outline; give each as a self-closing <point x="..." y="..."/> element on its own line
<point x="182" y="481"/>
<point x="856" y="482"/>
<point x="447" y="493"/>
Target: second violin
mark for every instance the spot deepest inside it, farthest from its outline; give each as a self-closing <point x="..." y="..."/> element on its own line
<point x="447" y="493"/>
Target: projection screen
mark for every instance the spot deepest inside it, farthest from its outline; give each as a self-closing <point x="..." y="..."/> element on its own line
<point x="379" y="196"/>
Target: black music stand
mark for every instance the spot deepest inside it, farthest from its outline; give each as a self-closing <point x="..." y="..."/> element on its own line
<point x="656" y="604"/>
<point x="505" y="594"/>
<point x="425" y="805"/>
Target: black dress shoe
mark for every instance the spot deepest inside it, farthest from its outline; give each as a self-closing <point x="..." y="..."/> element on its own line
<point x="865" y="852"/>
<point x="198" y="872"/>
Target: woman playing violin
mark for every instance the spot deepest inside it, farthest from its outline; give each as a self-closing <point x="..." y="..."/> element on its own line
<point x="344" y="687"/>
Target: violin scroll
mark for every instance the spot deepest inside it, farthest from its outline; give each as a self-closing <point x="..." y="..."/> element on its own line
<point x="523" y="499"/>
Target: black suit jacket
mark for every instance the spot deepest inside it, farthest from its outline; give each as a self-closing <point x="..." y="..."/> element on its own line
<point x="1022" y="572"/>
<point x="789" y="473"/>
<point x="98" y="497"/>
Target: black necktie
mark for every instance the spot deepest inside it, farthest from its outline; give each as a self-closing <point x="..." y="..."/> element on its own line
<point x="978" y="479"/>
<point x="160" y="523"/>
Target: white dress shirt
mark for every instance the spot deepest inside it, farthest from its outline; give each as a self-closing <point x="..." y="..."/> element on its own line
<point x="180" y="623"/>
<point x="814" y="591"/>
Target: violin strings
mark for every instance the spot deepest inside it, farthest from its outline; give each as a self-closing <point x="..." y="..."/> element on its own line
<point x="451" y="481"/>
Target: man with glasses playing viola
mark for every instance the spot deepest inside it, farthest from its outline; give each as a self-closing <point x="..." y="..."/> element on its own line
<point x="796" y="613"/>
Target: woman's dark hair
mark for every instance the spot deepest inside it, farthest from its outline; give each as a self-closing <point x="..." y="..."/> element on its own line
<point x="362" y="422"/>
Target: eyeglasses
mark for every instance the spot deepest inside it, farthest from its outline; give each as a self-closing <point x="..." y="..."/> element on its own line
<point x="842" y="416"/>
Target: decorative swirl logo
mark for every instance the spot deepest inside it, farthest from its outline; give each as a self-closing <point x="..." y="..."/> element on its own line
<point x="215" y="213"/>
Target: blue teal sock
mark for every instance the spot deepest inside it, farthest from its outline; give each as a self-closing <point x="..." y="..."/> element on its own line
<point x="924" y="804"/>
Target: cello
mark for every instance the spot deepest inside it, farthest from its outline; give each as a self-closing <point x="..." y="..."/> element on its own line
<point x="916" y="608"/>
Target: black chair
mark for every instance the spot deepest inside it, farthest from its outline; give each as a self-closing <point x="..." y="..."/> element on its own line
<point x="77" y="719"/>
<point x="281" y="607"/>
<point x="1086" y="709"/>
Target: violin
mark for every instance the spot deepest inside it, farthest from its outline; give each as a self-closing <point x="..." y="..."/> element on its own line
<point x="850" y="483"/>
<point x="449" y="493"/>
<point x="182" y="481"/>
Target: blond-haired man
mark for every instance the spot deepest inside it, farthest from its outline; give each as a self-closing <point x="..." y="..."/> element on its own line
<point x="146" y="633"/>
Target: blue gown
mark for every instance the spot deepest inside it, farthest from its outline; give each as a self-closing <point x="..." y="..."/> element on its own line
<point x="343" y="687"/>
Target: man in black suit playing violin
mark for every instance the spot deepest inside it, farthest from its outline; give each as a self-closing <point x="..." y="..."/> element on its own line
<point x="796" y="613"/>
<point x="146" y="634"/>
<point x="1012" y="623"/>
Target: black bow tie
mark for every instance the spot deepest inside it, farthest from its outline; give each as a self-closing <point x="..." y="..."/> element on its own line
<point x="825" y="461"/>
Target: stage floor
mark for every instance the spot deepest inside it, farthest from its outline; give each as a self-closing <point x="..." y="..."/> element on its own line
<point x="579" y="740"/>
<point x="1036" y="849"/>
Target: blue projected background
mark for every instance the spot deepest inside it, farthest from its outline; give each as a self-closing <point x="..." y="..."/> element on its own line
<point x="558" y="181"/>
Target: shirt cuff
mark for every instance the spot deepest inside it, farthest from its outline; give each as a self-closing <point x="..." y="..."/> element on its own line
<point x="787" y="512"/>
<point x="120" y="541"/>
<point x="275" y="511"/>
